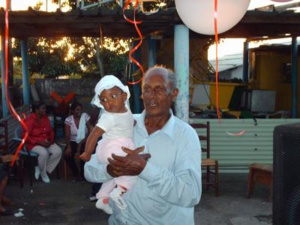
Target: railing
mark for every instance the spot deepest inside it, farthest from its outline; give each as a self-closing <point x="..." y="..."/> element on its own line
<point x="81" y="4"/>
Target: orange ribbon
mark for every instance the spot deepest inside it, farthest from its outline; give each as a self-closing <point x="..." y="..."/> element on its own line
<point x="9" y="104"/>
<point x="217" y="69"/>
<point x="217" y="58"/>
<point x="140" y="37"/>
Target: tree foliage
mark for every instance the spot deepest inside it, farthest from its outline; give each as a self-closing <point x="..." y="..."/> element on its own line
<point x="67" y="56"/>
<point x="88" y="57"/>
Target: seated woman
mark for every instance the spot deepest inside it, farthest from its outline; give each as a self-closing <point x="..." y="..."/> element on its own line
<point x="76" y="130"/>
<point x="41" y="140"/>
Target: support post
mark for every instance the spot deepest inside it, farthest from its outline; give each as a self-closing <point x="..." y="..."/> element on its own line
<point x="245" y="62"/>
<point x="151" y="52"/>
<point x="294" y="77"/>
<point x="3" y="72"/>
<point x="25" y="72"/>
<point x="181" y="69"/>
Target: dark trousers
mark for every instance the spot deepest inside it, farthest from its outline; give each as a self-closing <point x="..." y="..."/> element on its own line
<point x="95" y="188"/>
<point x="70" y="160"/>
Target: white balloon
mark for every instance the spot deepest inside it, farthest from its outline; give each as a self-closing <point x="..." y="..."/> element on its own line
<point x="281" y="0"/>
<point x="198" y="15"/>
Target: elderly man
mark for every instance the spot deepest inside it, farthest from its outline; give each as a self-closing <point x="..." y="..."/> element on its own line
<point x="168" y="170"/>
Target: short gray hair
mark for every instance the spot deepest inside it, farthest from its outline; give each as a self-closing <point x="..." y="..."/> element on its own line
<point x="168" y="75"/>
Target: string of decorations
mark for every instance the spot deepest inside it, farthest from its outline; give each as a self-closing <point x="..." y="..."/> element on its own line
<point x="135" y="23"/>
<point x="211" y="17"/>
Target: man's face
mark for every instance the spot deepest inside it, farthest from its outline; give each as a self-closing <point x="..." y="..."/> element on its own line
<point x="157" y="95"/>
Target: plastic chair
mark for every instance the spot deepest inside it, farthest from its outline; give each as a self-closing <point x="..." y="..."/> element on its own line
<point x="31" y="157"/>
<point x="25" y="154"/>
<point x="211" y="165"/>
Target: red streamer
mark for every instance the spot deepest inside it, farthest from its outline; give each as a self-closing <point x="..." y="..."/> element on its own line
<point x="140" y="37"/>
<point x="217" y="69"/>
<point x="217" y="57"/>
<point x="9" y="104"/>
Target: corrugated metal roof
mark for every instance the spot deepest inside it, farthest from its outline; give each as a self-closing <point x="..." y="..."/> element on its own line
<point x="228" y="62"/>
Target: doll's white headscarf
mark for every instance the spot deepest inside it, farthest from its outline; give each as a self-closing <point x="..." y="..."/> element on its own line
<point x="108" y="82"/>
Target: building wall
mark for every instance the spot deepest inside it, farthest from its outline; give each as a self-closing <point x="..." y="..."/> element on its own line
<point x="83" y="89"/>
<point x="269" y="71"/>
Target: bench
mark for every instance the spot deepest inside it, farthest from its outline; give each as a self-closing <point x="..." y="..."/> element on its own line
<point x="260" y="173"/>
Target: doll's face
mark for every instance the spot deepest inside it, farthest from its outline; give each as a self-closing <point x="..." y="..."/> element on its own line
<point x="113" y="100"/>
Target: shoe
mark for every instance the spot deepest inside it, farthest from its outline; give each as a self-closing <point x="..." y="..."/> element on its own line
<point x="81" y="180"/>
<point x="6" y="212"/>
<point x="92" y="198"/>
<point x="6" y="202"/>
<point x="45" y="178"/>
<point x="116" y="196"/>
<point x="37" y="172"/>
<point x="105" y="207"/>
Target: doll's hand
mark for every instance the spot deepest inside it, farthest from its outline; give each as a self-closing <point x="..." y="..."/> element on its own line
<point x="85" y="157"/>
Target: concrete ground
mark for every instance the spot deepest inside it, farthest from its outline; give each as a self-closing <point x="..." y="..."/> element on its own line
<point x="63" y="202"/>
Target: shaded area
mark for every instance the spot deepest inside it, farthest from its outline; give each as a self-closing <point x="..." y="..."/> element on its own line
<point x="64" y="202"/>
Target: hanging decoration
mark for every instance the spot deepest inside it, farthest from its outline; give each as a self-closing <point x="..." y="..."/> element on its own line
<point x="217" y="56"/>
<point x="198" y="15"/>
<point x="281" y="0"/>
<point x="135" y="23"/>
<point x="212" y="17"/>
<point x="9" y="104"/>
<point x="216" y="17"/>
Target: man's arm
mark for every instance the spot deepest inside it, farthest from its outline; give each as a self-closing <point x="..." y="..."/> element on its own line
<point x="132" y="165"/>
<point x="179" y="184"/>
<point x="95" y="172"/>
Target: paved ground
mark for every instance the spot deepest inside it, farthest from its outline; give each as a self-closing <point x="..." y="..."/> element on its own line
<point x="63" y="202"/>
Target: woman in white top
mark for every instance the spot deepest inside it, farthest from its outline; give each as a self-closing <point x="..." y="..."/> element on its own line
<point x="76" y="130"/>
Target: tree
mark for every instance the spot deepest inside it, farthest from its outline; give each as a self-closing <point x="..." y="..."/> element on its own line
<point x="66" y="56"/>
<point x="46" y="57"/>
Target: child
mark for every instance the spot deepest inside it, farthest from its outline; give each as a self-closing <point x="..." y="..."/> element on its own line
<point x="116" y="125"/>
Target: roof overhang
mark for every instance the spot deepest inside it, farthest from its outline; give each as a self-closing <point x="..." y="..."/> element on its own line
<point x="111" y="23"/>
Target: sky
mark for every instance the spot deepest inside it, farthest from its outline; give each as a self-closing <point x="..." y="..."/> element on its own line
<point x="235" y="46"/>
<point x="23" y="4"/>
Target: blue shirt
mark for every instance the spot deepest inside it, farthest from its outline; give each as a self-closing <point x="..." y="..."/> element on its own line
<point x="169" y="187"/>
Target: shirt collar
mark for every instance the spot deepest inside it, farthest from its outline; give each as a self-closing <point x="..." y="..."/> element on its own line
<point x="168" y="128"/>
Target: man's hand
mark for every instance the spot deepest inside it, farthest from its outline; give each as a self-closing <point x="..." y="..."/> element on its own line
<point x="135" y="151"/>
<point x="132" y="164"/>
